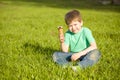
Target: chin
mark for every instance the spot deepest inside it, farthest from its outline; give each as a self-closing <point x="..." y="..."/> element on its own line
<point x="75" y="32"/>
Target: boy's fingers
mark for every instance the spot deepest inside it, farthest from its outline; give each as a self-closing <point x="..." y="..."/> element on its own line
<point x="61" y="35"/>
<point x="61" y="40"/>
<point x="73" y="57"/>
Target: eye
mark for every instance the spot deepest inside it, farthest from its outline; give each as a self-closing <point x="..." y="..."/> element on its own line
<point x="75" y="24"/>
<point x="70" y="25"/>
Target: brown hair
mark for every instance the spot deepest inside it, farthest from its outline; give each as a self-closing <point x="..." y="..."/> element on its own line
<point x="72" y="15"/>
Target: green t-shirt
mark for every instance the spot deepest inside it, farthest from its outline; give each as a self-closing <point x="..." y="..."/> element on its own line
<point x="79" y="41"/>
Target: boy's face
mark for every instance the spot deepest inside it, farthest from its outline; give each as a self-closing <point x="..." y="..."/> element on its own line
<point x="75" y="26"/>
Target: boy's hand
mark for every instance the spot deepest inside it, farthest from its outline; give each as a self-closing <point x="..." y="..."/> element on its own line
<point x="61" y="37"/>
<point x="61" y="34"/>
<point x="75" y="56"/>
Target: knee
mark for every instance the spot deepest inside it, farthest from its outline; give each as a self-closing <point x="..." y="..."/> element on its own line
<point x="56" y="53"/>
<point x="55" y="56"/>
<point x="95" y="55"/>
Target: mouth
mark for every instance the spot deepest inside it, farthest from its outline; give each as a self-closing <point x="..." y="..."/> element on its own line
<point x="74" y="31"/>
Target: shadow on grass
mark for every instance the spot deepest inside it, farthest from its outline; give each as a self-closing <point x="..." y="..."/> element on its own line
<point x="37" y="48"/>
<point x="70" y="4"/>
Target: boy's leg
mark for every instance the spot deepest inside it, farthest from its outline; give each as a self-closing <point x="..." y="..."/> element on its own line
<point x="90" y="59"/>
<point x="62" y="58"/>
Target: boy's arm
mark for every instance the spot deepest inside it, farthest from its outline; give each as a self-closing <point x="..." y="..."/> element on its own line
<point x="84" y="52"/>
<point x="64" y="47"/>
<point x="62" y="44"/>
<point x="91" y="47"/>
<point x="61" y="38"/>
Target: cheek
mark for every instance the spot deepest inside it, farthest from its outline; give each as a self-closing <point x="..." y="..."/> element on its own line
<point x="78" y="26"/>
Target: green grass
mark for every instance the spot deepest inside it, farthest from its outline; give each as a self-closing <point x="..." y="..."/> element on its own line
<point x="29" y="37"/>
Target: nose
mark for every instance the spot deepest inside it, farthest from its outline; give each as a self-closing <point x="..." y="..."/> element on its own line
<point x="73" y="27"/>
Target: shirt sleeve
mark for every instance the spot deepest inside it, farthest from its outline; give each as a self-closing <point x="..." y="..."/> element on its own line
<point x="89" y="36"/>
<point x="67" y="39"/>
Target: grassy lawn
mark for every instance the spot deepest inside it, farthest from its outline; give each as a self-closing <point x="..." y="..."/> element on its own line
<point x="29" y="37"/>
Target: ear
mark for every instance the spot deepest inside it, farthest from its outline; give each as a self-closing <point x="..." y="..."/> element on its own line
<point x="81" y="22"/>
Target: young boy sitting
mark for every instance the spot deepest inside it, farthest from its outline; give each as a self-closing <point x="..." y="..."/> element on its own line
<point x="79" y="39"/>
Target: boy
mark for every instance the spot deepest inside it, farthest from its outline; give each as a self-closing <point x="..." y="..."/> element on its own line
<point x="79" y="39"/>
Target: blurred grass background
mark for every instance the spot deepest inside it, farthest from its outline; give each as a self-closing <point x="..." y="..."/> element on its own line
<point x="29" y="37"/>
